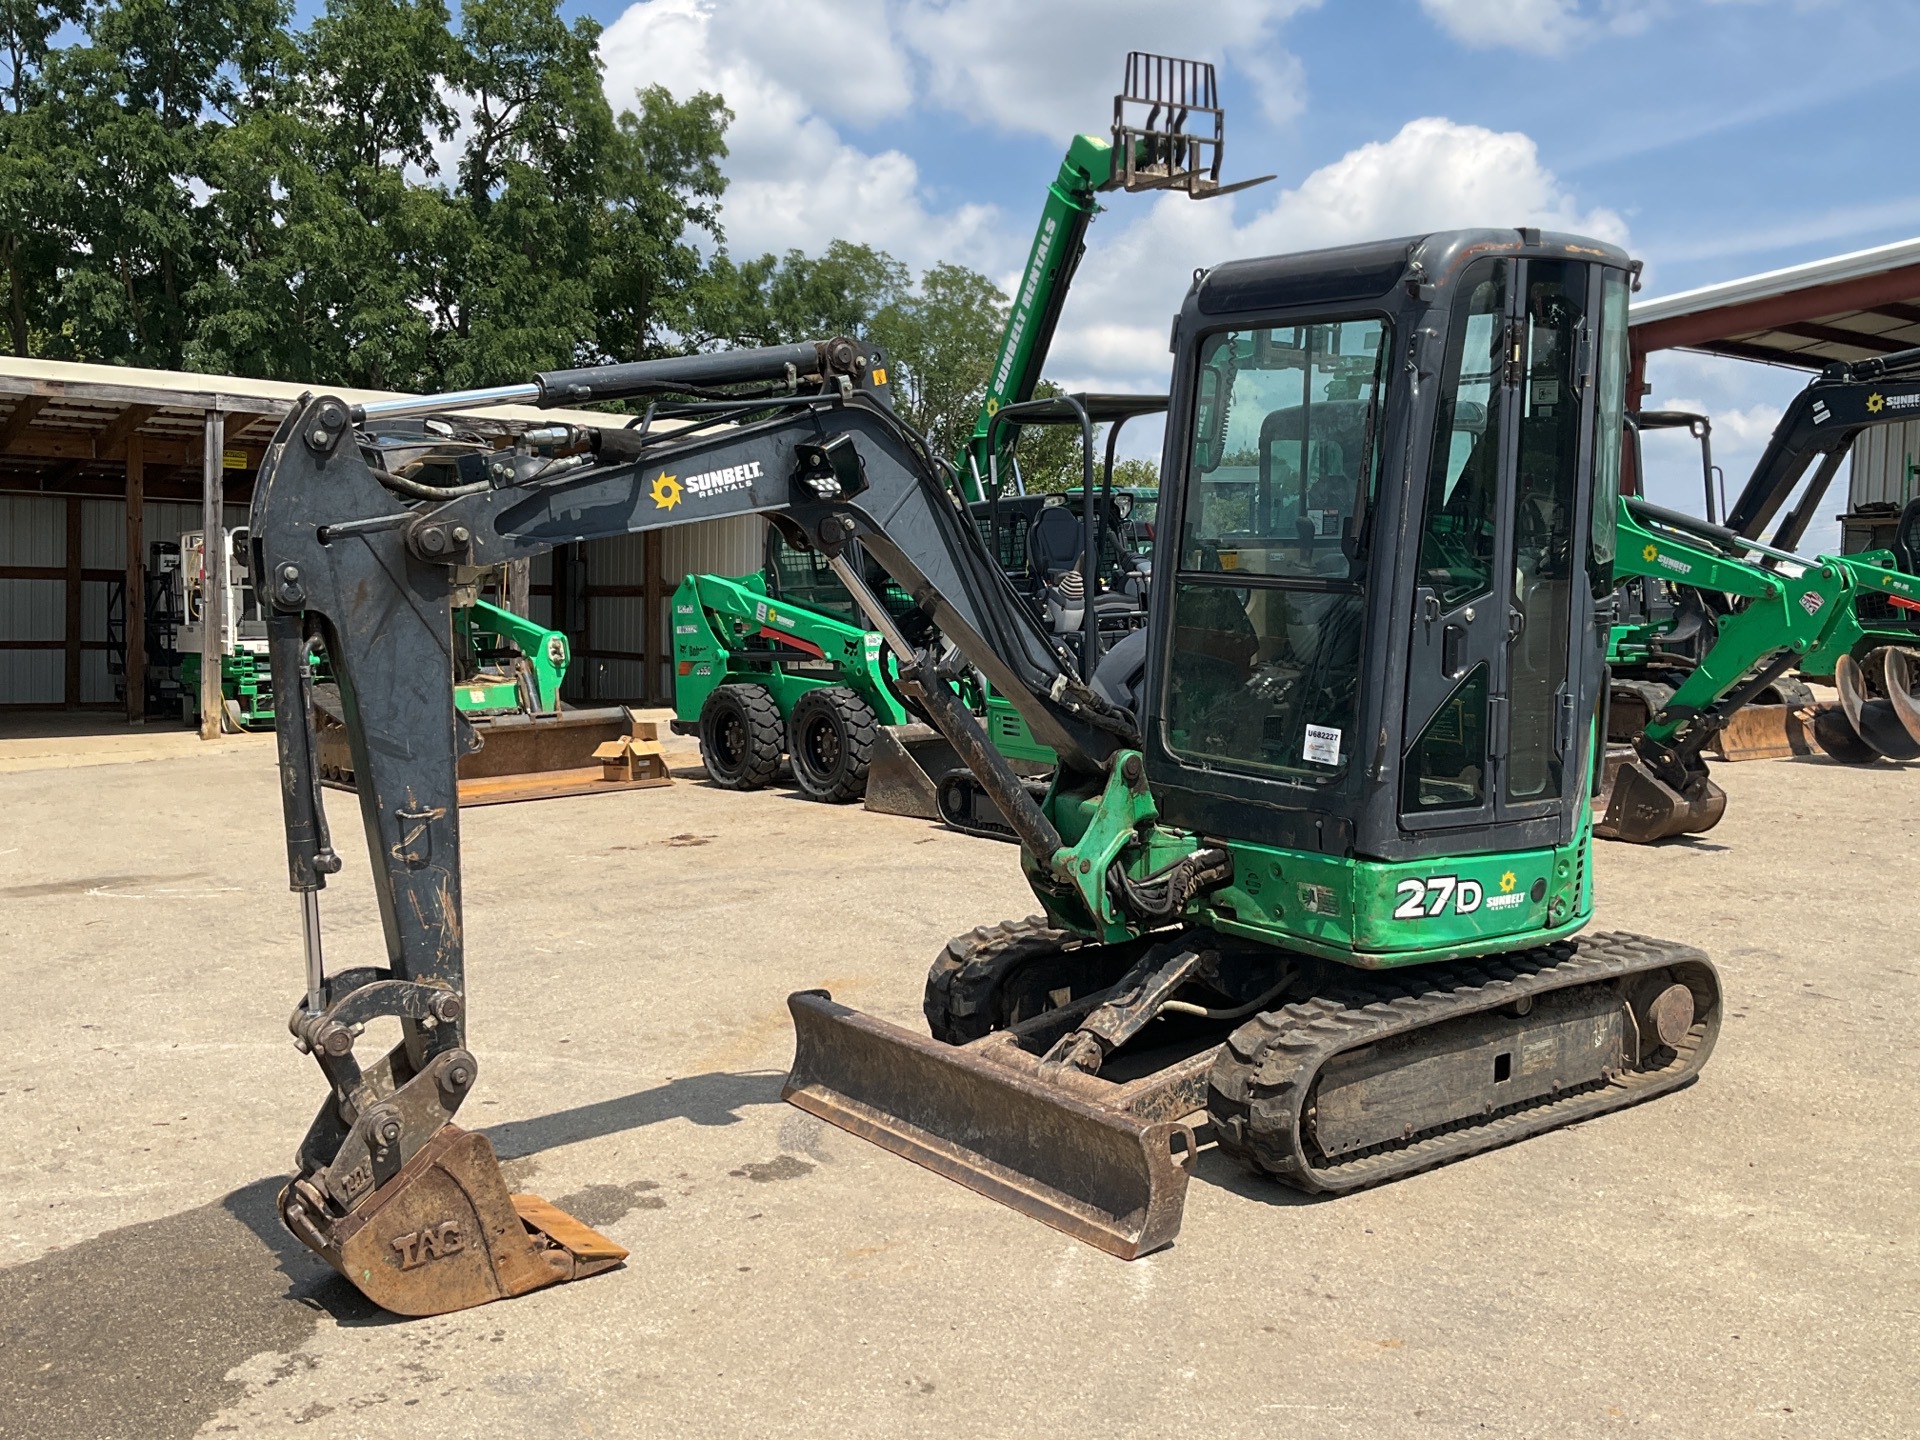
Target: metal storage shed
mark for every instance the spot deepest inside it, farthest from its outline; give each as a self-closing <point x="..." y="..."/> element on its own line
<point x="96" y="461"/>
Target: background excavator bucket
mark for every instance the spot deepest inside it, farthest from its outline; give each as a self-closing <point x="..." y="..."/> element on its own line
<point x="443" y="1233"/>
<point x="1639" y="807"/>
<point x="1100" y="1174"/>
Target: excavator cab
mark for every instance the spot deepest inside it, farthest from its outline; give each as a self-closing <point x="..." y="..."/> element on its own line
<point x="1376" y="616"/>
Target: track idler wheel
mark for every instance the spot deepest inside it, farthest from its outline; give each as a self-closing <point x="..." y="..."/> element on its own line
<point x="1642" y="808"/>
<point x="443" y="1233"/>
<point x="1866" y="697"/>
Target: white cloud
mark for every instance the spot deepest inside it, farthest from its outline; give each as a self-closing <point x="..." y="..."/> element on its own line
<point x="787" y="70"/>
<point x="1543" y="27"/>
<point x="1744" y="402"/>
<point x="1433" y="174"/>
<point x="1036" y="67"/>
<point x="798" y="74"/>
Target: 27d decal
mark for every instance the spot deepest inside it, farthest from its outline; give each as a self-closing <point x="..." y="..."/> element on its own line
<point x="1423" y="899"/>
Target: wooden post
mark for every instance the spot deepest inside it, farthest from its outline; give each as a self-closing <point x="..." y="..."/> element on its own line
<point x="71" y="693"/>
<point x="214" y="582"/>
<point x="135" y="609"/>
<point x="517" y="594"/>
<point x="658" y="624"/>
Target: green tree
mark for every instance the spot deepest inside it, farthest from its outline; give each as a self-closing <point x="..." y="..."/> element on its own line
<point x="776" y="300"/>
<point x="30" y="245"/>
<point x="134" y="110"/>
<point x="942" y="339"/>
<point x="663" y="186"/>
<point x="321" y="228"/>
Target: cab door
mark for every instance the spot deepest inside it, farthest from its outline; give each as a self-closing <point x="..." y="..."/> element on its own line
<point x="1456" y="672"/>
<point x="1500" y="601"/>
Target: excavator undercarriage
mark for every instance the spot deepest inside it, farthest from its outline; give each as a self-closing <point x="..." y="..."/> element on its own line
<point x="1086" y="1108"/>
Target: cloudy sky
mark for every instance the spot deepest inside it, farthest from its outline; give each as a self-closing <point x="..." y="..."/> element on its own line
<point x="1713" y="138"/>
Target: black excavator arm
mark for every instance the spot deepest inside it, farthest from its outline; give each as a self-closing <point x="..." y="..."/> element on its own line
<point x="1821" y="424"/>
<point x="365" y="562"/>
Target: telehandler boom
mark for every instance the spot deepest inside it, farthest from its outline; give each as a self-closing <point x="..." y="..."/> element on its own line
<point x="1317" y="850"/>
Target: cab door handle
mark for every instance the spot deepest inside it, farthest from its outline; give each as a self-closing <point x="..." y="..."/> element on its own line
<point x="1453" y="640"/>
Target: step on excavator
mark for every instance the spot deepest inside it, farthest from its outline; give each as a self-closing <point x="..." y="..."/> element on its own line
<point x="1315" y="862"/>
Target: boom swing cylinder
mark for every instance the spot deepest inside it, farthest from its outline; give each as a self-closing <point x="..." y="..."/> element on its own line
<point x="1316" y="852"/>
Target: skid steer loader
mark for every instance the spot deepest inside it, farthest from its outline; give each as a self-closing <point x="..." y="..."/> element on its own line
<point x="1316" y="857"/>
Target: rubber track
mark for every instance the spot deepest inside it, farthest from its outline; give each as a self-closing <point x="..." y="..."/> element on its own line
<point x="986" y="829"/>
<point x="960" y="981"/>
<point x="1264" y="1078"/>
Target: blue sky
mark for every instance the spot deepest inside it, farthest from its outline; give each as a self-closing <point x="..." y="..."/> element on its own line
<point x="1715" y="138"/>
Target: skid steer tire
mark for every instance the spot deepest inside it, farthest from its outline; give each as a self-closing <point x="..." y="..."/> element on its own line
<point x="740" y="737"/>
<point x="996" y="975"/>
<point x="830" y="742"/>
<point x="1834" y="734"/>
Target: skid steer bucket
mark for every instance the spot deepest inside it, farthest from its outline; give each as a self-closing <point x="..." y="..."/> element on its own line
<point x="903" y="774"/>
<point x="1639" y="807"/>
<point x="986" y="1115"/>
<point x="443" y="1233"/>
<point x="1764" y="732"/>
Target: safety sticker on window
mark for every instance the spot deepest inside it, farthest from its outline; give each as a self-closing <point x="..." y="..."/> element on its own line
<point x="1323" y="745"/>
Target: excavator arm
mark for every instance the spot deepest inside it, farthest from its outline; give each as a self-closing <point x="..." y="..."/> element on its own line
<point x="1784" y="609"/>
<point x="1820" y="425"/>
<point x="411" y="1208"/>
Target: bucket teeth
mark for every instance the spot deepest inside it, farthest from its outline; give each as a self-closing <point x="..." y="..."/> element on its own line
<point x="443" y="1234"/>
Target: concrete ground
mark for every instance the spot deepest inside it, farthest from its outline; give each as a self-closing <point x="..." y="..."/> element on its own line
<point x="1739" y="1259"/>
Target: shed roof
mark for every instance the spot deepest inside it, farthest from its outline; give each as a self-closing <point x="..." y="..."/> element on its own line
<point x="77" y="419"/>
<point x="1846" y="307"/>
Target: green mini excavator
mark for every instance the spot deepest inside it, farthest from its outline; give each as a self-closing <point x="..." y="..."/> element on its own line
<point x="1315" y="863"/>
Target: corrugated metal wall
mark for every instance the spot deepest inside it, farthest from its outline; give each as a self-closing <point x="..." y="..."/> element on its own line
<point x="1883" y="457"/>
<point x="33" y="531"/>
<point x="619" y="623"/>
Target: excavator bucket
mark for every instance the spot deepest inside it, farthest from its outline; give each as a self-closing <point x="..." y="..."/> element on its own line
<point x="1639" y="807"/>
<point x="1068" y="1149"/>
<point x="443" y="1233"/>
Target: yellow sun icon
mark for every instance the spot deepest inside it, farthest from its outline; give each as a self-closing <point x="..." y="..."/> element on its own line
<point x="665" y="492"/>
<point x="1650" y="553"/>
<point x="1876" y="402"/>
<point x="1507" y="882"/>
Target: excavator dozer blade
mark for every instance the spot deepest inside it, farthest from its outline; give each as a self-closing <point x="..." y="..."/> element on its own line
<point x="443" y="1233"/>
<point x="903" y="774"/>
<point x="1640" y="807"/>
<point x="1764" y="732"/>
<point x="1102" y="1175"/>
